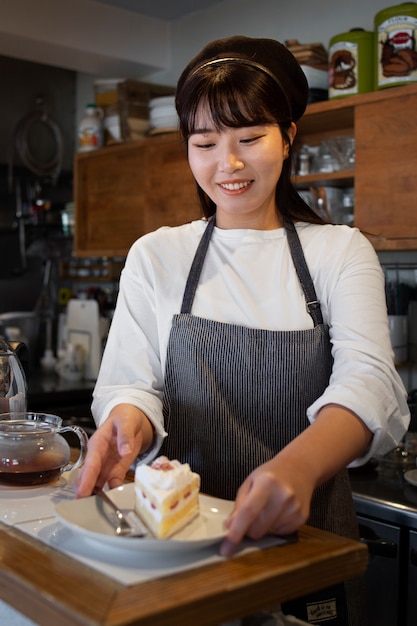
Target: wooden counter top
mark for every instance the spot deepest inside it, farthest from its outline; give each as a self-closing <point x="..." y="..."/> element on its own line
<point x="52" y="588"/>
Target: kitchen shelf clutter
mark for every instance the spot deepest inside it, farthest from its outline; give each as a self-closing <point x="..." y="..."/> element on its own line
<point x="383" y="126"/>
<point x="101" y="269"/>
<point x="125" y="191"/>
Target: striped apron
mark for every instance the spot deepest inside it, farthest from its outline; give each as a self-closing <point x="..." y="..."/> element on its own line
<point x="235" y="396"/>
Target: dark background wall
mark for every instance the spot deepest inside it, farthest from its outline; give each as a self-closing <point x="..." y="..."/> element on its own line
<point x="29" y="237"/>
<point x="22" y="83"/>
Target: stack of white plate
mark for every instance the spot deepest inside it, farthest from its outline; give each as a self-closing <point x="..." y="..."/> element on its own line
<point x="318" y="83"/>
<point x="316" y="79"/>
<point x="162" y="115"/>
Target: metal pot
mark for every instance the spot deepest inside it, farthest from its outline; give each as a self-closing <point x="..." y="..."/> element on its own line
<point x="13" y="386"/>
<point x="24" y="327"/>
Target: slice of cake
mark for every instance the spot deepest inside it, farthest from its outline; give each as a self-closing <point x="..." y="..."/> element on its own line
<point x="166" y="496"/>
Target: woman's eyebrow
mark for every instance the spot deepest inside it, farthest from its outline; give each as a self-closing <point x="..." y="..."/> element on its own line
<point x="201" y="131"/>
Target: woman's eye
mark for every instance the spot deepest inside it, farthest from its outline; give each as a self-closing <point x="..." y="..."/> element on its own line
<point x="250" y="139"/>
<point x="205" y="146"/>
<point x="202" y="143"/>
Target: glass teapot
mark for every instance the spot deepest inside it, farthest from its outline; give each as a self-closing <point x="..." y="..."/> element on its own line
<point x="33" y="450"/>
<point x="13" y="386"/>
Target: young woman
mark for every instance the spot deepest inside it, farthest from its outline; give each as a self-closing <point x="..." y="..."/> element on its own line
<point x="252" y="344"/>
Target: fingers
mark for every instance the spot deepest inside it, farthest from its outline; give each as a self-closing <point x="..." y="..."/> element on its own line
<point x="88" y="476"/>
<point x="115" y="482"/>
<point x="244" y="521"/>
<point x="126" y="434"/>
<point x="263" y="506"/>
<point x="128" y="424"/>
<point x="249" y="507"/>
<point x="228" y="548"/>
<point x="97" y="471"/>
<point x="111" y="451"/>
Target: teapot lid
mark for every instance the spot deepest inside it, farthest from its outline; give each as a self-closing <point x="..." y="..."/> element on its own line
<point x="16" y="429"/>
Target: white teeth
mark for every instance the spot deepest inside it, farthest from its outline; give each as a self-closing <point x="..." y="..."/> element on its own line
<point x="234" y="186"/>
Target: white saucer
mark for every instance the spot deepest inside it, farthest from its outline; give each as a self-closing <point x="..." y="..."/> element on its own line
<point x="84" y="517"/>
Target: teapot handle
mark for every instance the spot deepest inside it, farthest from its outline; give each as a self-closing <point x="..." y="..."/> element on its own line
<point x="83" y="438"/>
<point x="22" y="352"/>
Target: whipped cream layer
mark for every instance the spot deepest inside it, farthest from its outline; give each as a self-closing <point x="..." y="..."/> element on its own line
<point x="164" y="475"/>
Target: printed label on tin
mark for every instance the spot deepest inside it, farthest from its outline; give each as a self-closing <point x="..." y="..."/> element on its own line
<point x="343" y="69"/>
<point x="397" y="51"/>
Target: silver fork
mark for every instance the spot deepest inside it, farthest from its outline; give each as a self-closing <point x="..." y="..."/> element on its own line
<point x="127" y="525"/>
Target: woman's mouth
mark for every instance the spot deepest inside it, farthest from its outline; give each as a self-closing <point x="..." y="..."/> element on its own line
<point x="236" y="186"/>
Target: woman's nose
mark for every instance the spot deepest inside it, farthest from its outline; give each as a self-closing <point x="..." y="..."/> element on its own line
<point x="230" y="162"/>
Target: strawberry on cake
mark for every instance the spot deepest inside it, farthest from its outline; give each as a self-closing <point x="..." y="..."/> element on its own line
<point x="166" y="495"/>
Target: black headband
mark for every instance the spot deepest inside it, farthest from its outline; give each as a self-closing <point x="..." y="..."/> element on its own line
<point x="250" y="63"/>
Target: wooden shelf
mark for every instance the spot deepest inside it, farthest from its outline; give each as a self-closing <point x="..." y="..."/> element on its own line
<point x="123" y="192"/>
<point x="338" y="114"/>
<point x="341" y="178"/>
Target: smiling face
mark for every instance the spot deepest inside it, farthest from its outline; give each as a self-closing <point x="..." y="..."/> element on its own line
<point x="238" y="168"/>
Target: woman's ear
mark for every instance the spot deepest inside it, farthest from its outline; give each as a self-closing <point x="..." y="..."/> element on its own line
<point x="291" y="132"/>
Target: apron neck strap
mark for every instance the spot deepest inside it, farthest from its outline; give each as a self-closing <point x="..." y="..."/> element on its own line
<point x="303" y="273"/>
<point x="197" y="266"/>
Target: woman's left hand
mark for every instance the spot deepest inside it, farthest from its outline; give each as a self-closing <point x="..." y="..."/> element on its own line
<point x="275" y="498"/>
<point x="270" y="501"/>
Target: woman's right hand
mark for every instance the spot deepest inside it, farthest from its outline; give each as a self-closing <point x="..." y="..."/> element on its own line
<point x="113" y="448"/>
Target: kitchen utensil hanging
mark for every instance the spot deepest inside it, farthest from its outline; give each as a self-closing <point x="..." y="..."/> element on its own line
<point x="21" y="146"/>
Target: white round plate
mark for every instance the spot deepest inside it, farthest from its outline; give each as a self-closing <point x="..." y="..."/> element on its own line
<point x="162" y="101"/>
<point x="411" y="477"/>
<point x="164" y="122"/>
<point x="83" y="517"/>
<point x="162" y="112"/>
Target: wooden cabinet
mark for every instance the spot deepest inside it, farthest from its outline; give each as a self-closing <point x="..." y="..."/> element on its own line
<point x="125" y="191"/>
<point x="386" y="170"/>
<point x="384" y="124"/>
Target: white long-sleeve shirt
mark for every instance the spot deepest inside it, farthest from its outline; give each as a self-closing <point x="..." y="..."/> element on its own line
<point x="248" y="278"/>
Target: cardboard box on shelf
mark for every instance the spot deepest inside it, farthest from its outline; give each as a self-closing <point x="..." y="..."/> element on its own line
<point x="125" y="105"/>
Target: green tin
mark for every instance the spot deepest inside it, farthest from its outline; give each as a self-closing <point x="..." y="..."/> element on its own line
<point x="395" y="51"/>
<point x="351" y="63"/>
